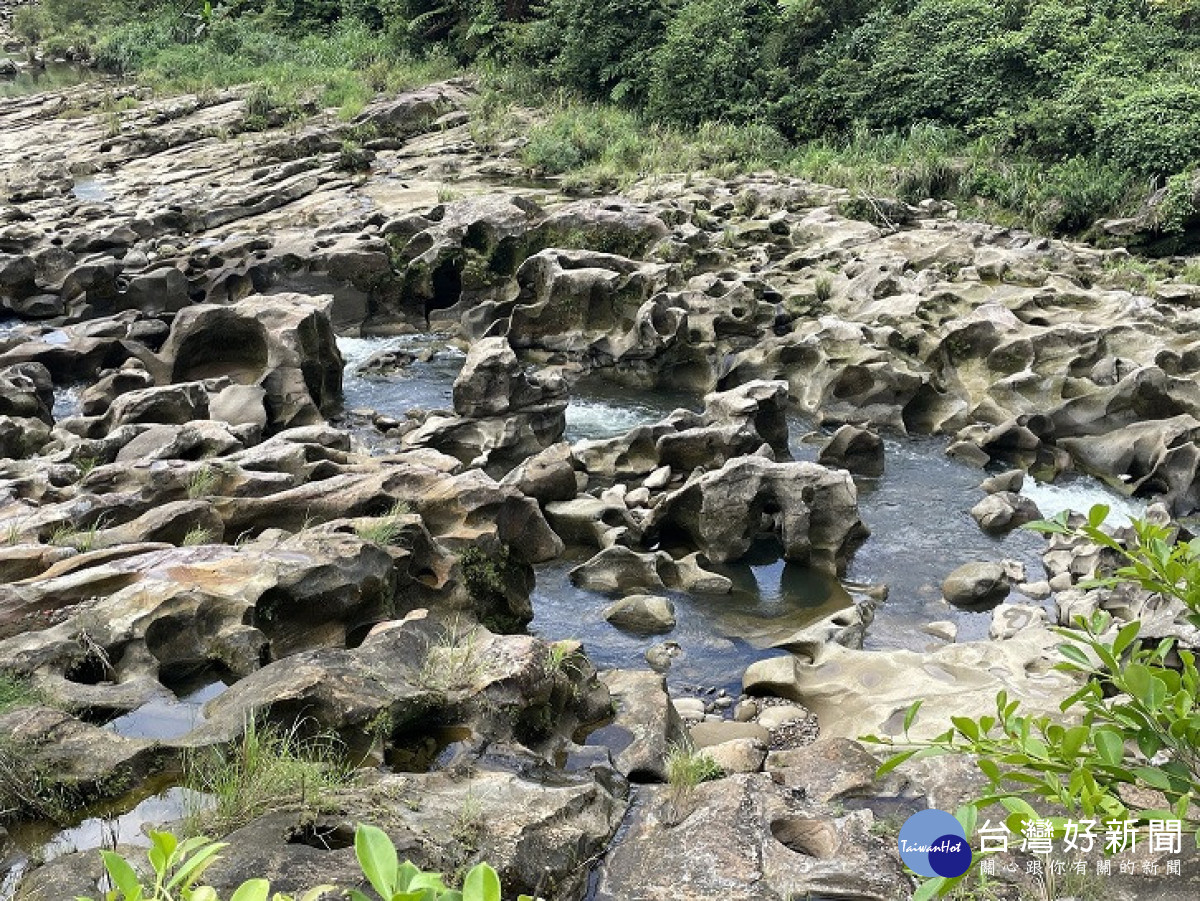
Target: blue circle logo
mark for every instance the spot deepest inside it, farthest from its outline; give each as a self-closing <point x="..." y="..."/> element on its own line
<point x="933" y="843"/>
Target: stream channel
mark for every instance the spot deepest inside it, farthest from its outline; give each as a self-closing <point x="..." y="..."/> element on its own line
<point x="918" y="513"/>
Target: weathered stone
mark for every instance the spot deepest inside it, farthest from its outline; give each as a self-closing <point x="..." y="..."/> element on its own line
<point x="976" y="586"/>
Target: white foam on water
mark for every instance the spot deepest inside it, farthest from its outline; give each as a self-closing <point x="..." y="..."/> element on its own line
<point x="594" y="419"/>
<point x="67" y="403"/>
<point x="356" y="350"/>
<point x="1080" y="495"/>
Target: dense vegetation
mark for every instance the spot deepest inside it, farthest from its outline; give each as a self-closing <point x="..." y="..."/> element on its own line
<point x="1049" y="112"/>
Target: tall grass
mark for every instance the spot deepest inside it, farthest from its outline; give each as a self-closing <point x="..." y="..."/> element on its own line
<point x="267" y="769"/>
<point x="344" y="69"/>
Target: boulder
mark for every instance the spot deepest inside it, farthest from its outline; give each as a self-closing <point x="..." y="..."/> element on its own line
<point x="645" y="724"/>
<point x="976" y="586"/>
<point x="645" y="614"/>
<point x="812" y="511"/>
<point x="854" y="449"/>
<point x="746" y="837"/>
<point x="492" y="383"/>
<point x="282" y="343"/>
<point x="855" y="693"/>
<point x="1004" y="511"/>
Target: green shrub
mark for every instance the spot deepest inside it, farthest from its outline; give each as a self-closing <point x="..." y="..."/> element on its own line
<point x="1154" y="131"/>
<point x="709" y="65"/>
<point x="1138" y="708"/>
<point x="177" y="868"/>
<point x="602" y="50"/>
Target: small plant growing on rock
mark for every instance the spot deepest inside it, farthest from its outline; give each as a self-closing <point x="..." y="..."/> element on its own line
<point x="196" y="536"/>
<point x="83" y="539"/>
<point x="385" y="529"/>
<point x="201" y="482"/>
<point x="688" y="767"/>
<point x="483" y="574"/>
<point x="453" y="661"/>
<point x="823" y="288"/>
<point x="267" y="769"/>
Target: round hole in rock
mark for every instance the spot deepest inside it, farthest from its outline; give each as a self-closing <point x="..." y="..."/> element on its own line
<point x="323" y="836"/>
<point x="808" y="836"/>
<point x="228" y="345"/>
<point x="90" y="669"/>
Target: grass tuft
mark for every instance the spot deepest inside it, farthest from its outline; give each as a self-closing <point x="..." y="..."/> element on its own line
<point x="384" y="530"/>
<point x="267" y="769"/>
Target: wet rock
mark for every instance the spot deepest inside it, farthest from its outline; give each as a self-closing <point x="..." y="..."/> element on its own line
<point x="976" y="586"/>
<point x="645" y="724"/>
<point x="812" y="511"/>
<point x="642" y="613"/>
<point x="1004" y="511"/>
<point x="856" y="450"/>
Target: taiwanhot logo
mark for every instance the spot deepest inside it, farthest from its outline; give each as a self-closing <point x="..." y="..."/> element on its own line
<point x="933" y="843"/>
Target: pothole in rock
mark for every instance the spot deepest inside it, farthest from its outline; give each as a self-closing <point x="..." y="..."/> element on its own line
<point x="323" y="836"/>
<point x="808" y="836"/>
<point x="432" y="750"/>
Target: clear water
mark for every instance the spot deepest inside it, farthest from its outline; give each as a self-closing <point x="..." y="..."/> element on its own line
<point x="53" y="77"/>
<point x="94" y="190"/>
<point x="166" y="718"/>
<point x="120" y="821"/>
<point x="918" y="512"/>
<point x="720" y="635"/>
<point x="419" y="386"/>
<point x="67" y="402"/>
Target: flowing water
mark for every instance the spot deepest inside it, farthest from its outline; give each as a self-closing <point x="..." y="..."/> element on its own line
<point x="918" y="512"/>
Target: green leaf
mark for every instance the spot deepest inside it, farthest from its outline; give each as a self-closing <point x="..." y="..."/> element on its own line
<point x="191" y="870"/>
<point x="928" y="889"/>
<point x="1109" y="745"/>
<point x="123" y="876"/>
<point x="966" y="726"/>
<point x="912" y="713"/>
<point x="894" y="761"/>
<point x="1075" y="655"/>
<point x="252" y="890"/>
<point x="407" y="878"/>
<point x="1097" y="515"/>
<point x="1153" y="777"/>
<point x="377" y="857"/>
<point x="481" y="884"/>
<point x="162" y="847"/>
<point x="967" y="815"/>
<point x="1125" y="637"/>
